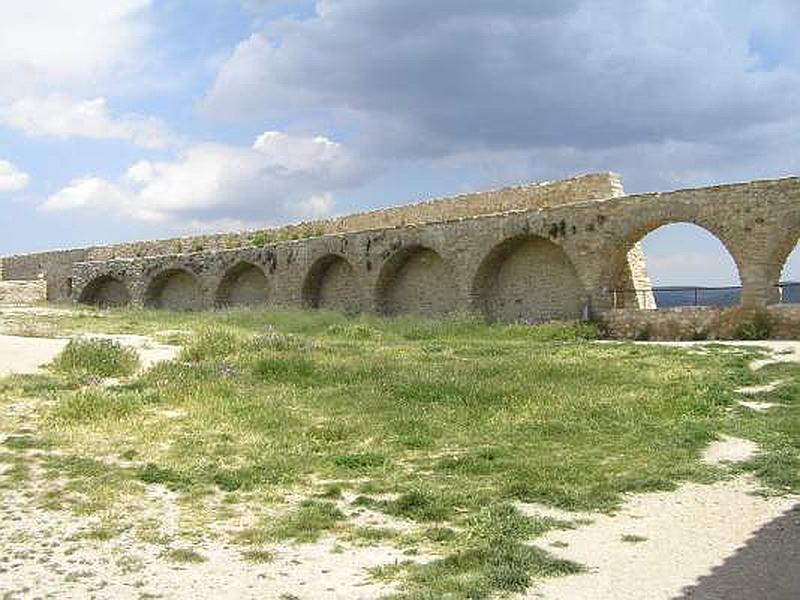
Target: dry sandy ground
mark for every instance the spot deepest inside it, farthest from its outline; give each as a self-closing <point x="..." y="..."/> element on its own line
<point x="683" y="536"/>
<point x="30" y="354"/>
<point x="46" y="554"/>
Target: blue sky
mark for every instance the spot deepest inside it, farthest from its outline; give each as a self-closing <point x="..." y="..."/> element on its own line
<point x="150" y="118"/>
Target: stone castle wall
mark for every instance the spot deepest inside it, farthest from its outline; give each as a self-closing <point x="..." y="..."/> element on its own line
<point x="14" y="293"/>
<point x="699" y="323"/>
<point x="55" y="266"/>
<point x="561" y="258"/>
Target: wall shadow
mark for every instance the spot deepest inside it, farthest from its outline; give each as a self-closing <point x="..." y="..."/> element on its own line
<point x="767" y="567"/>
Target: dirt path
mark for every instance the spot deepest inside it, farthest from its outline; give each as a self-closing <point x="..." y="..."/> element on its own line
<point x="700" y="541"/>
<point x="26" y="355"/>
<point x="678" y="537"/>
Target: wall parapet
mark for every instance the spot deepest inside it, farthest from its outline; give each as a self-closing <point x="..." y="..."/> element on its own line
<point x="700" y="323"/>
<point x="593" y="186"/>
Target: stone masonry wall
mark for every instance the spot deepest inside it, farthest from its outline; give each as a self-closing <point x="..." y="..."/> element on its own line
<point x="561" y="261"/>
<point x="22" y="292"/>
<point x="698" y="323"/>
<point x="527" y="265"/>
<point x="55" y="266"/>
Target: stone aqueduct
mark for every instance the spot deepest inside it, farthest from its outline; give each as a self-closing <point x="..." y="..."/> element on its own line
<point x="546" y="251"/>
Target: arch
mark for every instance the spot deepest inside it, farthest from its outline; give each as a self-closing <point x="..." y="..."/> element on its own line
<point x="416" y="279"/>
<point x="244" y="284"/>
<point x="528" y="279"/>
<point x="331" y="284"/>
<point x="787" y="285"/>
<point x="174" y="289"/>
<point x="106" y="291"/>
<point x="675" y="263"/>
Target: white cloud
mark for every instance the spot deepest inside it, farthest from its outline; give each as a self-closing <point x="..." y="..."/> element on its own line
<point x="87" y="192"/>
<point x="56" y="43"/>
<point x="280" y="177"/>
<point x="11" y="178"/>
<point x="592" y="77"/>
<point x="63" y="117"/>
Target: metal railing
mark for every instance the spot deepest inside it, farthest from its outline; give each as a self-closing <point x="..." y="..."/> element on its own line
<point x="786" y="292"/>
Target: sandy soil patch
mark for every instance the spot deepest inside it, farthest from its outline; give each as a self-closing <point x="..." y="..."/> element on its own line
<point x="25" y="355"/>
<point x="46" y="554"/>
<point x="729" y="449"/>
<point x="682" y="536"/>
<point x="754" y="390"/>
<point x="758" y="406"/>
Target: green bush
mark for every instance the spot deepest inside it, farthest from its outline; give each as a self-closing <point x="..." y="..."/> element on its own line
<point x="643" y="334"/>
<point x="756" y="328"/>
<point x="97" y="357"/>
<point x="94" y="404"/>
<point x="260" y="238"/>
<point x="211" y="343"/>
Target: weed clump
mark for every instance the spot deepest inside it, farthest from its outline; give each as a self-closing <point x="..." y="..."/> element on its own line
<point x="304" y="524"/>
<point x="96" y="357"/>
<point x="211" y="343"/>
<point x="97" y="404"/>
<point x="360" y="462"/>
<point x="492" y="556"/>
<point x="185" y="556"/>
<point x="417" y="505"/>
<point x="756" y="328"/>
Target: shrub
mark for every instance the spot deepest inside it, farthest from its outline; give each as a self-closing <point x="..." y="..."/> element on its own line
<point x="354" y="331"/>
<point x="94" y="404"/>
<point x="756" y="328"/>
<point x="96" y="357"/>
<point x="699" y="334"/>
<point x="260" y="238"/>
<point x="211" y="343"/>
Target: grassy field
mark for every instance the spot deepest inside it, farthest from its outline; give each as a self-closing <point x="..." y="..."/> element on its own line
<point x="303" y="418"/>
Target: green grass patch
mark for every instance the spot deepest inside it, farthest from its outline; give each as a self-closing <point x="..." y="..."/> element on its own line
<point x="430" y="421"/>
<point x="259" y="557"/>
<point x="24" y="442"/>
<point x="491" y="557"/>
<point x="371" y="536"/>
<point x="307" y="522"/>
<point x="185" y="556"/>
<point x="303" y="524"/>
<point x="96" y="357"/>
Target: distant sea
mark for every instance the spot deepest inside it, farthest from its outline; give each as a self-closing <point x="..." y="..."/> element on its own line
<point x="667" y="297"/>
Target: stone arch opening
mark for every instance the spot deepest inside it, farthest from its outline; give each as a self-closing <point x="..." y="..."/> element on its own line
<point x="787" y="289"/>
<point x="244" y="284"/>
<point x="174" y="289"/>
<point x="416" y="280"/>
<point x="528" y="279"/>
<point x="673" y="264"/>
<point x="106" y="291"/>
<point x="331" y="284"/>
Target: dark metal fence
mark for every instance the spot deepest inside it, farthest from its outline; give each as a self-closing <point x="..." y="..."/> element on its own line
<point x="787" y="292"/>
